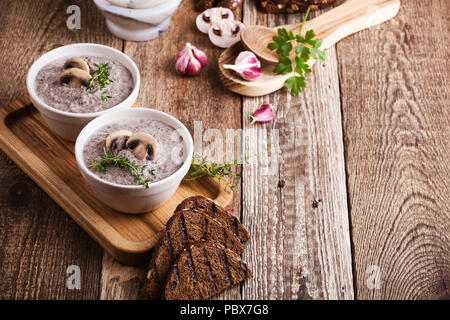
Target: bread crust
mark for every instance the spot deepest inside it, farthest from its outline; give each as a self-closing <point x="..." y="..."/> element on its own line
<point x="292" y="6"/>
<point x="184" y="227"/>
<point x="202" y="270"/>
<point x="216" y="211"/>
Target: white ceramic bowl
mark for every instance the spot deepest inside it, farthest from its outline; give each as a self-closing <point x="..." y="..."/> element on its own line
<point x="135" y="30"/>
<point x="138" y="24"/>
<point x="134" y="198"/>
<point x="69" y="124"/>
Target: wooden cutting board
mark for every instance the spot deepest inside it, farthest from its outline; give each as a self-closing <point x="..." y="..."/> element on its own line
<point x="50" y="162"/>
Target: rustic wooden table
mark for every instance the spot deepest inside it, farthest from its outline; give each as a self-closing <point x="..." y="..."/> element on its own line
<point x="356" y="205"/>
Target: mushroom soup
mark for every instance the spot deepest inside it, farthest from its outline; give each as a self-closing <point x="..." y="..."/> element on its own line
<point x="134" y="152"/>
<point x="84" y="85"/>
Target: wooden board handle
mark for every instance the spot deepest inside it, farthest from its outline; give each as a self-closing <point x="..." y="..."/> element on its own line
<point x="350" y="17"/>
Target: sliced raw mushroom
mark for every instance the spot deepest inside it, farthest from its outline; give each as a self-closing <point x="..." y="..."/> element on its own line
<point x="226" y="33"/>
<point x="74" y="78"/>
<point x="76" y="63"/>
<point x="143" y="146"/>
<point x="210" y="17"/>
<point x="117" y="140"/>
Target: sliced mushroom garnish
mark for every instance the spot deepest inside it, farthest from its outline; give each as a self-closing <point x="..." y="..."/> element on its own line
<point x="74" y="78"/>
<point x="143" y="146"/>
<point x="226" y="33"/>
<point x="117" y="140"/>
<point x="76" y="63"/>
<point x="210" y="17"/>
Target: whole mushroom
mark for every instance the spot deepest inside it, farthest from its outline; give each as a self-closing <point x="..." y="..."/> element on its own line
<point x="143" y="145"/>
<point x="74" y="78"/>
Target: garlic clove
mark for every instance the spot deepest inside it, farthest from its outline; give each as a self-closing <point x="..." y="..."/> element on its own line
<point x="190" y="60"/>
<point x="199" y="55"/>
<point x="193" y="68"/>
<point x="263" y="114"/>
<point x="181" y="63"/>
<point x="246" y="65"/>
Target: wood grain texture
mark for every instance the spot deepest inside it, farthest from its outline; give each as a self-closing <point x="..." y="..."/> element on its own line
<point x="332" y="26"/>
<point x="38" y="241"/>
<point x="294" y="192"/>
<point x="120" y="282"/>
<point x="395" y="94"/>
<point x="50" y="162"/>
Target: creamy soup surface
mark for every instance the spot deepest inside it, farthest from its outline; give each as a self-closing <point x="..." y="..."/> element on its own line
<point x="81" y="100"/>
<point x="169" y="157"/>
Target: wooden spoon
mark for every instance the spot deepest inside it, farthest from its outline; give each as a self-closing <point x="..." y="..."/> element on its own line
<point x="350" y="17"/>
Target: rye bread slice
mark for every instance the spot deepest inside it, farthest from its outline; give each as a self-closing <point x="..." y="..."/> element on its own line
<point x="203" y="270"/>
<point x="208" y="206"/>
<point x="182" y="228"/>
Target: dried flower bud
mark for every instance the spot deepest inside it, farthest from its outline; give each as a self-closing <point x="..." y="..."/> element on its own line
<point x="246" y="65"/>
<point x="263" y="114"/>
<point x="190" y="60"/>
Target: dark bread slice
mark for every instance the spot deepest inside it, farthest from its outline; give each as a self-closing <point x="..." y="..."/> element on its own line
<point x="182" y="228"/>
<point x="203" y="270"/>
<point x="208" y="206"/>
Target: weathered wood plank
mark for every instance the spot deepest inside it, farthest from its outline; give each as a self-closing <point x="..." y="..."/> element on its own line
<point x="118" y="281"/>
<point x="294" y="191"/>
<point x="200" y="99"/>
<point x="395" y="101"/>
<point x="38" y="242"/>
<point x="37" y="239"/>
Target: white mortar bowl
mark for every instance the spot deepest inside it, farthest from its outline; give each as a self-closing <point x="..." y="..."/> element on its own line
<point x="69" y="124"/>
<point x="134" y="198"/>
<point x="138" y="24"/>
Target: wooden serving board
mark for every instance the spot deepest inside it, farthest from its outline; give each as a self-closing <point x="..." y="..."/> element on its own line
<point x="50" y="162"/>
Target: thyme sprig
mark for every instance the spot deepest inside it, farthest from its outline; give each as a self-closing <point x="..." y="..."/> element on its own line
<point x="100" y="79"/>
<point x="201" y="167"/>
<point x="305" y="49"/>
<point x="109" y="160"/>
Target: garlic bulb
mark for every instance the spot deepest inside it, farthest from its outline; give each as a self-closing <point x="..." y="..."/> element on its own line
<point x="246" y="65"/>
<point x="190" y="60"/>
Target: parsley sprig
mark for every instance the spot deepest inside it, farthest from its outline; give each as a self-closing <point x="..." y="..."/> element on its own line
<point x="109" y="160"/>
<point x="201" y="167"/>
<point x="305" y="48"/>
<point x="100" y="79"/>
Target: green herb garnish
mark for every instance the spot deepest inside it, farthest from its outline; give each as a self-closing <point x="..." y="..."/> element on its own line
<point x="109" y="160"/>
<point x="100" y="79"/>
<point x="305" y="48"/>
<point x="201" y="167"/>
